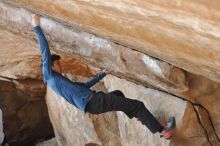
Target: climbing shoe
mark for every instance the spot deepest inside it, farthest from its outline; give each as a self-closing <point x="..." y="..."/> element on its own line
<point x="168" y="132"/>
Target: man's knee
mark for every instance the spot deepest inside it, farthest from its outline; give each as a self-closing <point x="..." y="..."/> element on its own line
<point x="140" y="104"/>
<point x="118" y="93"/>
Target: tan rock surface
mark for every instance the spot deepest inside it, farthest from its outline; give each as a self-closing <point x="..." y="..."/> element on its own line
<point x="51" y="142"/>
<point x="183" y="33"/>
<point x="24" y="112"/>
<point x="188" y="131"/>
<point x="163" y="45"/>
<point x="122" y="61"/>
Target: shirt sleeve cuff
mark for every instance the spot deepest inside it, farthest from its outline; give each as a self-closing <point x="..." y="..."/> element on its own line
<point x="102" y="74"/>
<point x="37" y="29"/>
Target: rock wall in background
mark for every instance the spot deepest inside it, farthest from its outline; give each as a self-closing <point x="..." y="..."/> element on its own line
<point x="25" y="115"/>
<point x="183" y="33"/>
<point x="164" y="53"/>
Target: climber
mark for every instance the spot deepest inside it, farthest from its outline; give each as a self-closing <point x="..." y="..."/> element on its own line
<point x="3" y="139"/>
<point x="82" y="97"/>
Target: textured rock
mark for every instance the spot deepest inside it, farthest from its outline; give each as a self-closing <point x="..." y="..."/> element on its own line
<point x="100" y="52"/>
<point x="129" y="132"/>
<point x="51" y="142"/>
<point x="118" y="35"/>
<point x="26" y="62"/>
<point x="71" y="126"/>
<point x="74" y="127"/>
<point x="23" y="99"/>
<point x="162" y="106"/>
<point x="25" y="118"/>
<point x="206" y="93"/>
<point x="106" y="127"/>
<point x="189" y="132"/>
<point x="172" y="30"/>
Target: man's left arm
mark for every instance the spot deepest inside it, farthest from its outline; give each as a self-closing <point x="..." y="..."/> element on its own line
<point x="96" y="79"/>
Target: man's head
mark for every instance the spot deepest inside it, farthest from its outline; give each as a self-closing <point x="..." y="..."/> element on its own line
<point x="55" y="62"/>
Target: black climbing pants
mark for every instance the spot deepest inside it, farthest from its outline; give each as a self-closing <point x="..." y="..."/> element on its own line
<point x="101" y="102"/>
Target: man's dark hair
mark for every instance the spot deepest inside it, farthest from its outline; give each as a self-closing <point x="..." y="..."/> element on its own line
<point x="54" y="57"/>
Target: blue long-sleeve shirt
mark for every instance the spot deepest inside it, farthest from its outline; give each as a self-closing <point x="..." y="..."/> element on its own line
<point x="75" y="93"/>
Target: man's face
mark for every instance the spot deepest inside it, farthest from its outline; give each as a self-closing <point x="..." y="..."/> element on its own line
<point x="57" y="67"/>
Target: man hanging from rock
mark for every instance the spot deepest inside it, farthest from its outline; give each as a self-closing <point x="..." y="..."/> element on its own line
<point x="82" y="97"/>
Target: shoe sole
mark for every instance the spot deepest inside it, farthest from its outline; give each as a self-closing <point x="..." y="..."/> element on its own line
<point x="172" y="128"/>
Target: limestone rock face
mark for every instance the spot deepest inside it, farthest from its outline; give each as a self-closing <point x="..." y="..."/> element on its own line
<point x="71" y="122"/>
<point x="172" y="30"/>
<point x="162" y="106"/>
<point x="51" y="142"/>
<point x="26" y="62"/>
<point x="155" y="102"/>
<point x="72" y="127"/>
<point x="98" y="51"/>
<point x="162" y="52"/>
<point x="205" y="93"/>
<point x="25" y="113"/>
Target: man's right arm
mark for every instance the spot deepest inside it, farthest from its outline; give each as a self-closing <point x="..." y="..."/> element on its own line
<point x="45" y="51"/>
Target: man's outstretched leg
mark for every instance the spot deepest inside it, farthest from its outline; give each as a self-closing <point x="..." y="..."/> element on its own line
<point x="116" y="101"/>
